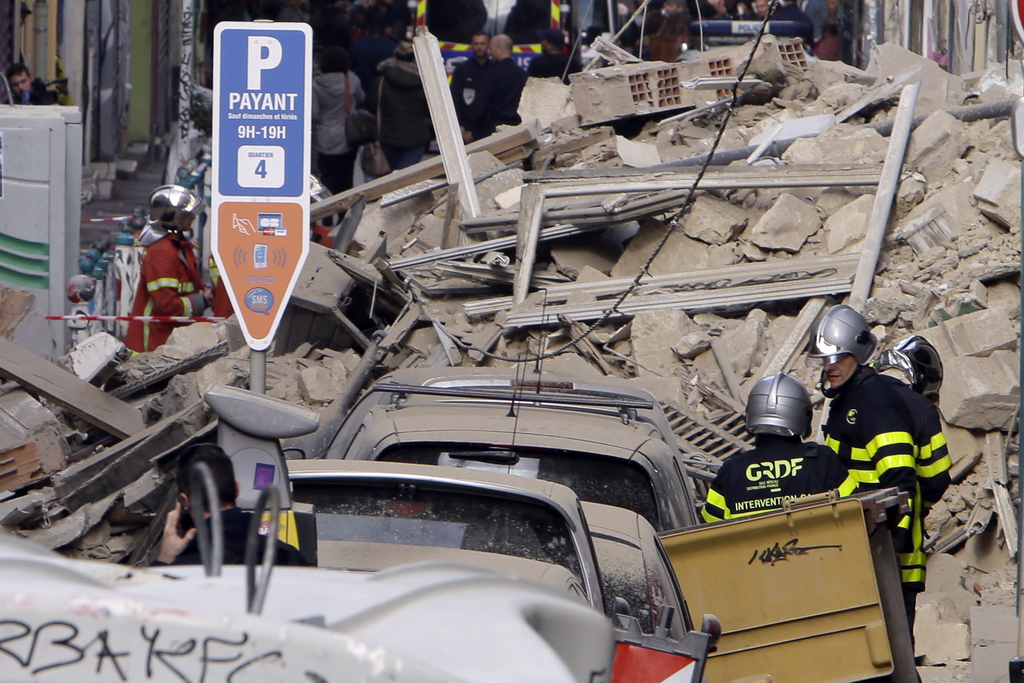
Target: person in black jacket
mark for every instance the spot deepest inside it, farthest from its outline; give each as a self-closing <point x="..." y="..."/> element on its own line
<point x="869" y="425"/>
<point x="405" y="129"/>
<point x="920" y="365"/>
<point x="183" y="548"/>
<point x="500" y="94"/>
<point x="468" y="77"/>
<point x="781" y="465"/>
<point x="553" y="63"/>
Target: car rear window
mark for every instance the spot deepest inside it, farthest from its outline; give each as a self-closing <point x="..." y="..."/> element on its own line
<point x="596" y="479"/>
<point x="408" y="514"/>
<point x="626" y="572"/>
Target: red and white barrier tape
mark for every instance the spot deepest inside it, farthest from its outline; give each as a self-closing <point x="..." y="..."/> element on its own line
<point x="141" y="318"/>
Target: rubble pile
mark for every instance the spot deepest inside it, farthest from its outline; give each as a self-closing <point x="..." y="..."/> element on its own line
<point x="573" y="204"/>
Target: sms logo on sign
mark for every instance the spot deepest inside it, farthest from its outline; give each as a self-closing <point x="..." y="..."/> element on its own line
<point x="259" y="300"/>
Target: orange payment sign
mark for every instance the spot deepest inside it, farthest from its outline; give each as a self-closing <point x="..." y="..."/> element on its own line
<point x="260" y="247"/>
<point x="261" y="140"/>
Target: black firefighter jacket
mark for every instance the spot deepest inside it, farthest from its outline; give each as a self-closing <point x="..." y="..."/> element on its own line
<point x="757" y="480"/>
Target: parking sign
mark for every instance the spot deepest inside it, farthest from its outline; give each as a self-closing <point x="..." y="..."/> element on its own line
<point x="262" y="87"/>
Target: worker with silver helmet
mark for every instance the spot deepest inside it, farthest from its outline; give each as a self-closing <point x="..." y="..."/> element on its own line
<point x="869" y="425"/>
<point x="169" y="282"/>
<point x="780" y="465"/>
<point x="918" y="376"/>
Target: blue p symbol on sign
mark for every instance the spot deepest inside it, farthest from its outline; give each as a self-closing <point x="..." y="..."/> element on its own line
<point x="259" y="300"/>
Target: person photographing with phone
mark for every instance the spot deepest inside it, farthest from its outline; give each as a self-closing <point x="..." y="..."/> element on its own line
<point x="178" y="544"/>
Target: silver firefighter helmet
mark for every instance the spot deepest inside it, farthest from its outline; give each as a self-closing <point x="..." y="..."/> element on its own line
<point x="843" y="330"/>
<point x="779" y="404"/>
<point x="172" y="205"/>
<point x="919" y="362"/>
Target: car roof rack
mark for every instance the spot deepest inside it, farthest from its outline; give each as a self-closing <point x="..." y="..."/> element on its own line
<point x="529" y="395"/>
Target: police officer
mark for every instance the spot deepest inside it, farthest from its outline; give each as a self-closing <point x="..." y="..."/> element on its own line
<point x="869" y="425"/>
<point x="468" y="77"/>
<point x="919" y="363"/>
<point x="169" y="282"/>
<point x="780" y="465"/>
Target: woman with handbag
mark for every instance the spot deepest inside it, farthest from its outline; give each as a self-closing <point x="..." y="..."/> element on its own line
<point x="337" y="96"/>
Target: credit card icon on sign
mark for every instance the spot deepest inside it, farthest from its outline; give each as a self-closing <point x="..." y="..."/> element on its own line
<point x="259" y="256"/>
<point x="271" y="224"/>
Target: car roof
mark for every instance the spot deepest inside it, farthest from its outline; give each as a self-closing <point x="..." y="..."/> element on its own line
<point x="466" y="377"/>
<point x="441" y="477"/>
<point x="536" y="427"/>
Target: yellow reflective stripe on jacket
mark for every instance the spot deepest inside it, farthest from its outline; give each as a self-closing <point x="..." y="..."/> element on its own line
<point x="187" y="287"/>
<point x="848" y="486"/>
<point x="937" y="442"/>
<point x="186" y="304"/>
<point x="717" y="500"/>
<point x="154" y="285"/>
<point x="893" y="461"/>
<point x="936" y="468"/>
<point x="145" y="326"/>
<point x="214" y="271"/>
<point x="912" y="575"/>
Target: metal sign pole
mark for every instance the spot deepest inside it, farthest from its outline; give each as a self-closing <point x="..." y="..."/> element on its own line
<point x="258" y="372"/>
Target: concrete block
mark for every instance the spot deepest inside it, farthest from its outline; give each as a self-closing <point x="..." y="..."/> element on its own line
<point x="227" y="370"/>
<point x="92" y="356"/>
<point x="845" y="229"/>
<point x="316" y="384"/>
<point x="865" y="145"/>
<point x="745" y="344"/>
<point x="974" y="334"/>
<point x="937" y="640"/>
<point x="197" y="337"/>
<point x="885" y="305"/>
<point x="692" y="344"/>
<point x="546" y="99"/>
<point x="714" y="221"/>
<point x="993" y="642"/>
<point x="786" y="226"/>
<point x="510" y="197"/>
<point x="637" y="154"/>
<point x="1004" y="296"/>
<point x="998" y="194"/>
<point x="946" y="590"/>
<point x="980" y="393"/>
<point x="653" y="334"/>
<point x="938" y="87"/>
<point x="935" y="145"/>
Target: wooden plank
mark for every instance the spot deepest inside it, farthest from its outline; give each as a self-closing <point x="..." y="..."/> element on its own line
<point x="59" y="386"/>
<point x="113" y="467"/>
<point x="446" y="125"/>
<point x="497" y="144"/>
<point x="530" y="214"/>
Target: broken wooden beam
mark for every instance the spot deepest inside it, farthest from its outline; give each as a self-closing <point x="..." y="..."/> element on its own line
<point x="39" y="376"/>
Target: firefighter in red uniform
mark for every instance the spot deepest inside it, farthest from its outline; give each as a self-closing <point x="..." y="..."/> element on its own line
<point x="170" y="284"/>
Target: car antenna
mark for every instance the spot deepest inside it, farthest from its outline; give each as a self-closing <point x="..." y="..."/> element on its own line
<point x="511" y="409"/>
